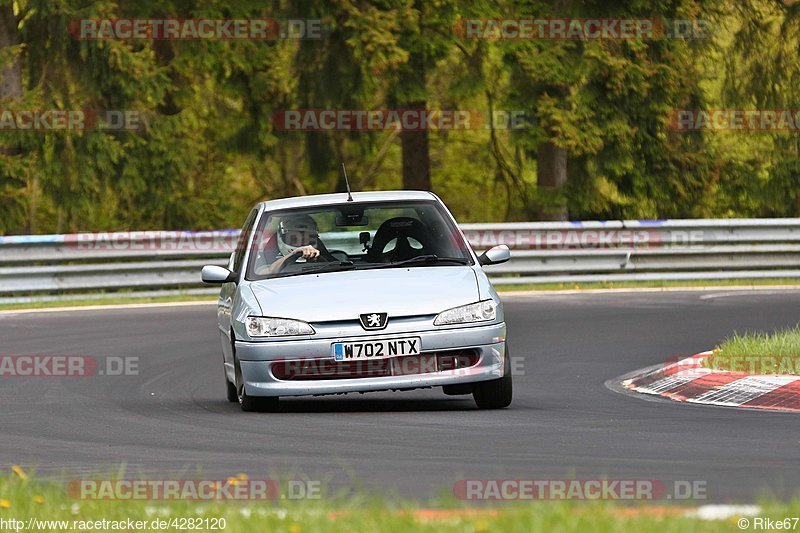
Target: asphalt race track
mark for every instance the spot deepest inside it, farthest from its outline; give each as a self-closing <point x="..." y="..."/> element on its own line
<point x="172" y="418"/>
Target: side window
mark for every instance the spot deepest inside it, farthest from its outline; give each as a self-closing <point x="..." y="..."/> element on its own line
<point x="241" y="245"/>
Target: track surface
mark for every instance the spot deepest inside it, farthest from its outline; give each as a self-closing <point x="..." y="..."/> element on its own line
<point x="172" y="419"/>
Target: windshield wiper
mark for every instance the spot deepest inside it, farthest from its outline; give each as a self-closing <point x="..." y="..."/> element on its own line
<point x="424" y="259"/>
<point x="327" y="267"/>
<point x="317" y="268"/>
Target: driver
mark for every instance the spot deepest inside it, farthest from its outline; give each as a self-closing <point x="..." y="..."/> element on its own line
<point x="297" y="236"/>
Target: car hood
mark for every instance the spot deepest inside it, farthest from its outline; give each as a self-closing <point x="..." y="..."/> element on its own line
<point x="345" y="295"/>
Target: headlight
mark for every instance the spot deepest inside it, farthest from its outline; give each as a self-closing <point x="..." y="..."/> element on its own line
<point x="258" y="326"/>
<point x="477" y="312"/>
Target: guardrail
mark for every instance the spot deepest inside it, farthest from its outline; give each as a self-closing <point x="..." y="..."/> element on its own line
<point x="43" y="267"/>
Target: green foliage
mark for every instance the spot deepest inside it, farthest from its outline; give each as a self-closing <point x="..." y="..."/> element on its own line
<point x="48" y="505"/>
<point x="207" y="148"/>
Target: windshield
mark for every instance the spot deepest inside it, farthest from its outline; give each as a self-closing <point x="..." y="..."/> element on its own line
<point x="354" y="236"/>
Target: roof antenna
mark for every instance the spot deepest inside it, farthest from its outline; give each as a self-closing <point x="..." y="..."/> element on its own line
<point x="347" y="182"/>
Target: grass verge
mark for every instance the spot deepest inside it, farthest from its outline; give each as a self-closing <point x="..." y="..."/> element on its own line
<point x="759" y="353"/>
<point x="54" y="510"/>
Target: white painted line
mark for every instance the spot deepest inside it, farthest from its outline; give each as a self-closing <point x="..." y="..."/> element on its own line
<point x="743" y="390"/>
<point x="667" y="383"/>
<point x="104" y="307"/>
<point x="622" y="290"/>
<point x="733" y="394"/>
<point x="689" y="369"/>
<point x="723" y="512"/>
<point x="729" y="294"/>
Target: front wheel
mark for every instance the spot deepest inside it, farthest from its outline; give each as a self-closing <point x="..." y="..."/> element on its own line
<point x="258" y="404"/>
<point x="230" y="389"/>
<point x="496" y="393"/>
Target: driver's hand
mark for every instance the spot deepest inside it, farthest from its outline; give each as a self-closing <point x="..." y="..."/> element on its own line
<point x="307" y="252"/>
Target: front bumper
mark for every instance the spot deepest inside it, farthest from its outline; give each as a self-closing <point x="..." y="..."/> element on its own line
<point x="256" y="358"/>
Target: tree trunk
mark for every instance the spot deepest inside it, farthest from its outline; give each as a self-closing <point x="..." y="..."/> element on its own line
<point x="11" y="90"/>
<point x="416" y="156"/>
<point x="11" y="86"/>
<point x="551" y="176"/>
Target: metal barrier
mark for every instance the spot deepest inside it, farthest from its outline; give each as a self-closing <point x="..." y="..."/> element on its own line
<point x="43" y="267"/>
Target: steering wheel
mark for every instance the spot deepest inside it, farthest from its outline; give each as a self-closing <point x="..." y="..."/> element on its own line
<point x="324" y="257"/>
<point x="402" y="229"/>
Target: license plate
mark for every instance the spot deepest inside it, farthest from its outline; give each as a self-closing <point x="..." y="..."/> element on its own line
<point x="366" y="350"/>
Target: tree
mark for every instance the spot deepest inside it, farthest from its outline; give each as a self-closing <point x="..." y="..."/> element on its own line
<point x="12" y="167"/>
<point x="602" y="111"/>
<point x="762" y="73"/>
<point x="427" y="38"/>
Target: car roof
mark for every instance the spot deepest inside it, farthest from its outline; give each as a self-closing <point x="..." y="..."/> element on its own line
<point x="341" y="198"/>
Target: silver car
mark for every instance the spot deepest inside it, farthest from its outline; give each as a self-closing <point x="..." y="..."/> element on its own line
<point x="373" y="291"/>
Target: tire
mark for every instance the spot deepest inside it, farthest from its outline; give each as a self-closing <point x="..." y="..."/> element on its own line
<point x="456" y="390"/>
<point x="496" y="393"/>
<point x="230" y="389"/>
<point x="257" y="404"/>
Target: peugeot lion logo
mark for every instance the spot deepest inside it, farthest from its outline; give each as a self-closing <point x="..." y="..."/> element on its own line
<point x="374" y="320"/>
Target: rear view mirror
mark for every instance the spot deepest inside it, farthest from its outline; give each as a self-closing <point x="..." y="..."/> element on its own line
<point x="352" y="219"/>
<point x="494" y="256"/>
<point x="217" y="274"/>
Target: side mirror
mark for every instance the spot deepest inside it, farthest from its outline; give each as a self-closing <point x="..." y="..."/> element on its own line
<point x="494" y="256"/>
<point x="363" y="238"/>
<point x="217" y="274"/>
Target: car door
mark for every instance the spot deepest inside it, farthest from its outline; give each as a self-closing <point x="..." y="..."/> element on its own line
<point x="229" y="291"/>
